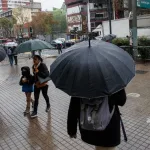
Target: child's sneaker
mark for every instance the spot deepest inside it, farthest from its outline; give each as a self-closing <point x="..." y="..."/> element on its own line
<point x="27" y="111"/>
<point x="47" y="109"/>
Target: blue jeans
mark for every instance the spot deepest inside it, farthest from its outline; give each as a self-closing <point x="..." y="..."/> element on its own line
<point x="10" y="59"/>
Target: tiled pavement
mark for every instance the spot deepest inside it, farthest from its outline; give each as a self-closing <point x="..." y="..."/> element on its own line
<point x="48" y="131"/>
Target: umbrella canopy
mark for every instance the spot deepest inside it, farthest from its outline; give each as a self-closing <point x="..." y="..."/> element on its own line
<point x="109" y="38"/>
<point x="33" y="45"/>
<point x="11" y="44"/>
<point x="2" y="54"/>
<point x="100" y="70"/>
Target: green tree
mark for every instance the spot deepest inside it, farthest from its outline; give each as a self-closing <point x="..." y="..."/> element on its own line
<point x="59" y="15"/>
<point x="42" y="23"/>
<point x="22" y="16"/>
<point x="6" y="26"/>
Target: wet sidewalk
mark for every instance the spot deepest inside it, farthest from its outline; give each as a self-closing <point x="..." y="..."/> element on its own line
<point x="48" y="131"/>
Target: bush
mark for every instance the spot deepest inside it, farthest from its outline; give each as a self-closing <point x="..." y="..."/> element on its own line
<point x="121" y="42"/>
<point x="144" y="51"/>
<point x="142" y="41"/>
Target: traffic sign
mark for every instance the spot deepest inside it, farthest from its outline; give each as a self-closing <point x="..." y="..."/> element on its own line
<point x="143" y="3"/>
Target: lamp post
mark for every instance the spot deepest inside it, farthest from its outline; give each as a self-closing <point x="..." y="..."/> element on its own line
<point x="109" y="15"/>
<point x="134" y="28"/>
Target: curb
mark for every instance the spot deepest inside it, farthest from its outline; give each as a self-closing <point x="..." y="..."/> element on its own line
<point x="50" y="56"/>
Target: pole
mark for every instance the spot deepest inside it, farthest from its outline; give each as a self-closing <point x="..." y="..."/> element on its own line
<point x="109" y="15"/>
<point x="134" y="27"/>
<point x="89" y="16"/>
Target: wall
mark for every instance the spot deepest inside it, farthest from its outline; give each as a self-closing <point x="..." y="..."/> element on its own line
<point x="74" y="18"/>
<point x="74" y="10"/>
<point x="120" y="27"/>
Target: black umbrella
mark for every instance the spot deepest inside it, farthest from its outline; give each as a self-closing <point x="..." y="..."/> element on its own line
<point x="95" y="71"/>
<point x="109" y="37"/>
<point x="2" y="53"/>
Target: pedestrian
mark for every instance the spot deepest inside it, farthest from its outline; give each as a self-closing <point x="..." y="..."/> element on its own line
<point x="107" y="139"/>
<point x="32" y="53"/>
<point x="27" y="81"/>
<point x="10" y="55"/>
<point x="40" y="70"/>
<point x="59" y="47"/>
<point x="15" y="55"/>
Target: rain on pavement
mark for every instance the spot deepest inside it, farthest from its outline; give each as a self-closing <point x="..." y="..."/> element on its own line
<point x="48" y="131"/>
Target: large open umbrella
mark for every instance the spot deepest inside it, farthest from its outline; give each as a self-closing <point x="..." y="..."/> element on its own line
<point x="33" y="45"/>
<point x="2" y="53"/>
<point x="95" y="71"/>
<point x="108" y="38"/>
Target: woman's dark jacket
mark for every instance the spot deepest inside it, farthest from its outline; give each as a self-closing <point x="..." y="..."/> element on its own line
<point x="43" y="72"/>
<point x="110" y="137"/>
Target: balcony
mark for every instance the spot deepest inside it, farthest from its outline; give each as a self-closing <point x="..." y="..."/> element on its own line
<point x="99" y="19"/>
<point x="69" y="2"/>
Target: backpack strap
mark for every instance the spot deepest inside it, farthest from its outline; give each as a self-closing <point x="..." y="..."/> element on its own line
<point x="82" y="109"/>
<point x="122" y="125"/>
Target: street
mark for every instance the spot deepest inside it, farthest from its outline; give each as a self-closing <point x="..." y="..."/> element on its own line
<point x="49" y="131"/>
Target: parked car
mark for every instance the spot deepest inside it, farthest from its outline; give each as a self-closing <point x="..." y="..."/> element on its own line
<point x="69" y="43"/>
<point x="55" y="43"/>
<point x="61" y="39"/>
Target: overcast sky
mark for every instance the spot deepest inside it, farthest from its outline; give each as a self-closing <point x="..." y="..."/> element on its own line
<point x="49" y="4"/>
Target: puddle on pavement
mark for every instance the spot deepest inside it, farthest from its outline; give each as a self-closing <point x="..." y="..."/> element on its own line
<point x="134" y="95"/>
<point x="148" y="120"/>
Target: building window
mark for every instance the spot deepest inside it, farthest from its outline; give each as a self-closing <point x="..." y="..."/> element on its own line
<point x="99" y="15"/>
<point x="98" y="5"/>
<point x="93" y="25"/>
<point x="92" y="15"/>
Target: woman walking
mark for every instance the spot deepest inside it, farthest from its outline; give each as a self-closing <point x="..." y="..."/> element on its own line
<point x="107" y="139"/>
<point x="40" y="70"/>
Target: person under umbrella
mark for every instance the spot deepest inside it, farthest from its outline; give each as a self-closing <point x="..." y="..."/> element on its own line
<point x="10" y="55"/>
<point x="2" y="53"/>
<point x="59" y="47"/>
<point x="107" y="139"/>
<point x="15" y="55"/>
<point x="95" y="78"/>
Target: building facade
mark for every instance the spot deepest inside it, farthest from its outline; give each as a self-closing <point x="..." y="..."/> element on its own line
<point x="77" y="14"/>
<point x="76" y="11"/>
<point x="23" y="16"/>
<point x="10" y="4"/>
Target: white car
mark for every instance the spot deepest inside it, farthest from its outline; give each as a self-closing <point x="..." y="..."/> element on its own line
<point x="61" y="39"/>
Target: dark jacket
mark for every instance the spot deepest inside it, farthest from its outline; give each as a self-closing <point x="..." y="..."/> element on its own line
<point x="26" y="74"/>
<point x="43" y="72"/>
<point x="110" y="137"/>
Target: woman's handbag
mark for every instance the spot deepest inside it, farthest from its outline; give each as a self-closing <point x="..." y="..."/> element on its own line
<point x="41" y="80"/>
